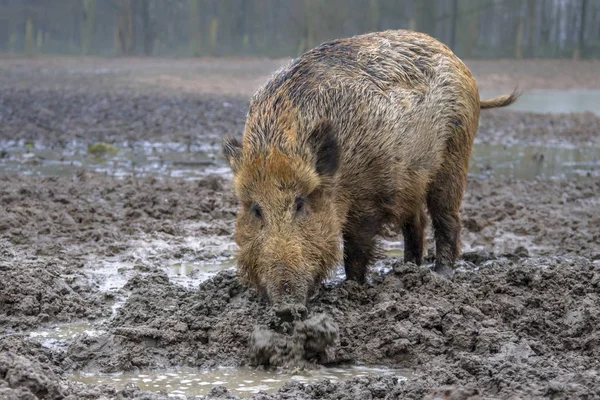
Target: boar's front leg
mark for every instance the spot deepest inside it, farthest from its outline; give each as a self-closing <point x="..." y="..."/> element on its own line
<point x="359" y="246"/>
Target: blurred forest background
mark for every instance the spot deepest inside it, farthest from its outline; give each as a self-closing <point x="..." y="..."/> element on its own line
<point x="281" y="28"/>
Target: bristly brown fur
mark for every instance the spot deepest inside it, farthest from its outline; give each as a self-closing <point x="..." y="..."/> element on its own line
<point x="353" y="135"/>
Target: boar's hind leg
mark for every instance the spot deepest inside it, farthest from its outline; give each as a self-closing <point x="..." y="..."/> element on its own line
<point x="443" y="202"/>
<point x="359" y="246"/>
<point x="413" y="231"/>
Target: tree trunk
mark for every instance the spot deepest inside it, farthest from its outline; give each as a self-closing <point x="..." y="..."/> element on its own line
<point x="149" y="28"/>
<point x="580" y="47"/>
<point x="29" y="40"/>
<point x="307" y="38"/>
<point x="309" y="7"/>
<point x="519" y="38"/>
<point x="39" y="41"/>
<point x="12" y="43"/>
<point x="125" y="30"/>
<point x="468" y="32"/>
<point x="374" y="13"/>
<point x="426" y="16"/>
<point x="244" y="28"/>
<point x="213" y="34"/>
<point x="454" y="23"/>
<point x="531" y="7"/>
<point x="87" y="28"/>
<point x="195" y="31"/>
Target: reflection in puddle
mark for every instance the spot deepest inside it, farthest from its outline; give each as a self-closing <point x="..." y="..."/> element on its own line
<point x="138" y="159"/>
<point x="65" y="331"/>
<point x="533" y="162"/>
<point x="242" y="381"/>
<point x="394" y="253"/>
<point x="61" y="335"/>
<point x="517" y="161"/>
<point x="190" y="273"/>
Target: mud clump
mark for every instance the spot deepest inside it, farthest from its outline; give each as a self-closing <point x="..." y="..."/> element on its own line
<point x="21" y="378"/>
<point x="309" y="341"/>
<point x="164" y="325"/>
<point x="35" y="291"/>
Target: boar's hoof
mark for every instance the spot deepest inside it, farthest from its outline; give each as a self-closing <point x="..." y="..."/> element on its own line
<point x="443" y="270"/>
<point x="290" y="312"/>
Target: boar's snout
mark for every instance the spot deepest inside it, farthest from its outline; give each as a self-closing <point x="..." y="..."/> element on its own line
<point x="288" y="291"/>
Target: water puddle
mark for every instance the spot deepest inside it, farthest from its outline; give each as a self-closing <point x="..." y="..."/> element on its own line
<point x="138" y="159"/>
<point x="243" y="382"/>
<point x="190" y="273"/>
<point x="184" y="382"/>
<point x="526" y="162"/>
<point x="63" y="334"/>
<point x="554" y="101"/>
<point x="65" y="331"/>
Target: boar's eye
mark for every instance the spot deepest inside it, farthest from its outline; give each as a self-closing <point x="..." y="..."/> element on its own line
<point x="256" y="211"/>
<point x="300" y="206"/>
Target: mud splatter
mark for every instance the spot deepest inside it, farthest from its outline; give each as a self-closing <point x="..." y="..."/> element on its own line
<point x="309" y="341"/>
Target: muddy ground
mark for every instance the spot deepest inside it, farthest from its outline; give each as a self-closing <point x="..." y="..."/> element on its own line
<point x="519" y="320"/>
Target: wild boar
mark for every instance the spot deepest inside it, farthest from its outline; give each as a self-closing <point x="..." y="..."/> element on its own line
<point x="355" y="134"/>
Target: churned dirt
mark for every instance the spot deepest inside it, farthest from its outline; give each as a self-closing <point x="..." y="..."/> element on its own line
<point x="519" y="319"/>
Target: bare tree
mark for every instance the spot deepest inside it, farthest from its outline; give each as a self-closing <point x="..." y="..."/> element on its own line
<point x="425" y="17"/>
<point x="531" y="19"/>
<point x="29" y="41"/>
<point x="124" y="27"/>
<point x="520" y="33"/>
<point x="195" y="27"/>
<point x="579" y="50"/>
<point x="454" y="23"/>
<point x="87" y="28"/>
<point x="374" y="14"/>
<point x="148" y="26"/>
<point x="472" y="28"/>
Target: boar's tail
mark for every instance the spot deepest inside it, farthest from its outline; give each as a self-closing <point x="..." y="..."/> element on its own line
<point x="500" y="101"/>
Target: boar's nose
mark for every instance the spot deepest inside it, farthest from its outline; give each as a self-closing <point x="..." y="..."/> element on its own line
<point x="290" y="312"/>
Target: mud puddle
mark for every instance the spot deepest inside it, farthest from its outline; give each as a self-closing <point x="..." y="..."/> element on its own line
<point x="194" y="268"/>
<point x="139" y="159"/>
<point x="526" y="162"/>
<point x="243" y="381"/>
<point x="519" y="161"/>
<point x="191" y="273"/>
<point x="64" y="331"/>
<point x="554" y="101"/>
<point x="61" y="335"/>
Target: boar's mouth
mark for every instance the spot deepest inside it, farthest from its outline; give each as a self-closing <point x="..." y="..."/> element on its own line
<point x="288" y="299"/>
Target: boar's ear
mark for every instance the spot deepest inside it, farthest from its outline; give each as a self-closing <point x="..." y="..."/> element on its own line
<point x="324" y="146"/>
<point x="232" y="150"/>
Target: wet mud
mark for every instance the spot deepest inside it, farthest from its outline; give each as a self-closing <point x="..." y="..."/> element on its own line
<point x="506" y="128"/>
<point x="518" y="320"/>
<point x="310" y="340"/>
<point x="503" y="325"/>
